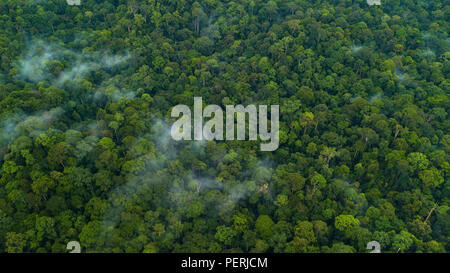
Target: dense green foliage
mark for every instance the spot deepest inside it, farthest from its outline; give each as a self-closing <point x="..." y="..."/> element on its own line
<point x="86" y="155"/>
